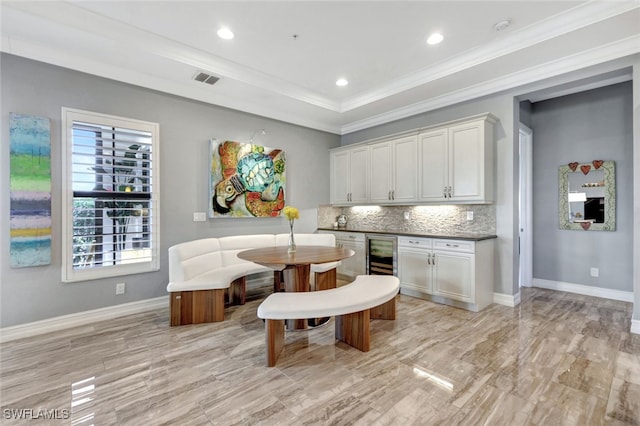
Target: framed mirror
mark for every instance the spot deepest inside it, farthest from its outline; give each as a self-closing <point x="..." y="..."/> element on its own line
<point x="587" y="196"/>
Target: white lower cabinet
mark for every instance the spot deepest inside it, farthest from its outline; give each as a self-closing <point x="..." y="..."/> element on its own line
<point x="414" y="264"/>
<point x="453" y="275"/>
<point x="454" y="272"/>
<point x="354" y="265"/>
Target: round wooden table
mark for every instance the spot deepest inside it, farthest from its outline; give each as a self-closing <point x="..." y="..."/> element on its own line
<point x="295" y="266"/>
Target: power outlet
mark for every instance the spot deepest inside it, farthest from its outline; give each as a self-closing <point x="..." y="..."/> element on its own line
<point x="407" y="215"/>
<point x="199" y="216"/>
<point x="595" y="272"/>
<point x="470" y="215"/>
<point x="120" y="288"/>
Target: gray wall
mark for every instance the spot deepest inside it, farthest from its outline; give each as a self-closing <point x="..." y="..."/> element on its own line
<point x="525" y="113"/>
<point x="582" y="127"/>
<point x="29" y="87"/>
<point x="505" y="109"/>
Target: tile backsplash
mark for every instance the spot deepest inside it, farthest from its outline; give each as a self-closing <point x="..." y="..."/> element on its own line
<point x="427" y="219"/>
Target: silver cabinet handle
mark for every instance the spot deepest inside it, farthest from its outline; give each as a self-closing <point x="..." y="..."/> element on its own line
<point x="444" y="192"/>
<point x="389" y="195"/>
<point x="450" y="190"/>
<point x="393" y="194"/>
<point x="428" y="259"/>
<point x="453" y="245"/>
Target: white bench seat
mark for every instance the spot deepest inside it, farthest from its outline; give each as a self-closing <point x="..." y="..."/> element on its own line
<point x="202" y="271"/>
<point x="353" y="305"/>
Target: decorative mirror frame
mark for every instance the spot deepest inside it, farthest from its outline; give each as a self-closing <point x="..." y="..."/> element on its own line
<point x="609" y="169"/>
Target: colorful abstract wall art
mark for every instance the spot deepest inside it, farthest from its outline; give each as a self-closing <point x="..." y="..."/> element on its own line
<point x="30" y="189"/>
<point x="246" y="180"/>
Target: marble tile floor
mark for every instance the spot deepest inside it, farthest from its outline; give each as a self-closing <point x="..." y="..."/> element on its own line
<point x="557" y="359"/>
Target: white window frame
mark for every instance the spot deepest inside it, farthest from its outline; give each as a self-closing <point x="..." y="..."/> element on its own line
<point x="69" y="274"/>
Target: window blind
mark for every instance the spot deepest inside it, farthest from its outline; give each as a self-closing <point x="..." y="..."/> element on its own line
<point x="113" y="197"/>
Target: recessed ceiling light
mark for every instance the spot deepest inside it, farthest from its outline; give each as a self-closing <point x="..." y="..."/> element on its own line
<point x="435" y="38"/>
<point x="225" y="33"/>
<point x="341" y="82"/>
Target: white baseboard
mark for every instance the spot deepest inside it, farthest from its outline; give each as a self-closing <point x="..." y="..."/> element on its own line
<point x="624" y="296"/>
<point x="80" y="318"/>
<point x="635" y="326"/>
<point x="507" y="299"/>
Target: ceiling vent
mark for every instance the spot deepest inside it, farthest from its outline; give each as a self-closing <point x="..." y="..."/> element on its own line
<point x="203" y="77"/>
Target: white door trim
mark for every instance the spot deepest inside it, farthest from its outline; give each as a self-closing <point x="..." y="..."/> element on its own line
<point x="525" y="226"/>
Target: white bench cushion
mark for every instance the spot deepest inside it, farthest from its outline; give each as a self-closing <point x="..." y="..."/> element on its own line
<point x="365" y="292"/>
<point x="220" y="278"/>
<point x="324" y="267"/>
<point x="213" y="263"/>
<point x="231" y="246"/>
<point x="187" y="260"/>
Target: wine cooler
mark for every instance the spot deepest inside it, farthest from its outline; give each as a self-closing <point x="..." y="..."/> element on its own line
<point x="382" y="254"/>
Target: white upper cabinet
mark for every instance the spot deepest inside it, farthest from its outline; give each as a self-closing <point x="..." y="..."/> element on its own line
<point x="348" y="175"/>
<point x="405" y="170"/>
<point x="457" y="163"/>
<point x="394" y="171"/>
<point x="451" y="163"/>
<point x="434" y="159"/>
<point x="381" y="172"/>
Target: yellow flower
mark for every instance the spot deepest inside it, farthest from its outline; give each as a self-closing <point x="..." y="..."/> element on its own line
<point x="291" y="213"/>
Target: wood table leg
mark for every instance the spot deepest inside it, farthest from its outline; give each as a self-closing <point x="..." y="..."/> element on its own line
<point x="296" y="278"/>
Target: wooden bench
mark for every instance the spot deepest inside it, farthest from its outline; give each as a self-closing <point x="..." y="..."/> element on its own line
<point x="354" y="305"/>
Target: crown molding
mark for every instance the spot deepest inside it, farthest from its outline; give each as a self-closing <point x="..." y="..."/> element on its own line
<point x="570" y="20"/>
<point x="595" y="56"/>
<point x="76" y="17"/>
<point x="188" y="89"/>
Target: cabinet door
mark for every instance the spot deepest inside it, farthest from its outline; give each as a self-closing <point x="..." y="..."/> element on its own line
<point x="339" y="177"/>
<point x="466" y="161"/>
<point x="414" y="270"/>
<point x="354" y="265"/>
<point x="405" y="170"/>
<point x="434" y="158"/>
<point x="380" y="166"/>
<point x="453" y="275"/>
<point x="358" y="175"/>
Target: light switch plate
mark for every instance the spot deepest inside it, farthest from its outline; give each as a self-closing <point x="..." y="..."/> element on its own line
<point x="470" y="215"/>
<point x="595" y="272"/>
<point x="407" y="215"/>
<point x="199" y="217"/>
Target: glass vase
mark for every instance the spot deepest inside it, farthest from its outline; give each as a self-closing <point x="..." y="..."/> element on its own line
<point x="292" y="243"/>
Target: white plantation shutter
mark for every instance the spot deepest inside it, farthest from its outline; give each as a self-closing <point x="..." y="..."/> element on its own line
<point x="110" y="196"/>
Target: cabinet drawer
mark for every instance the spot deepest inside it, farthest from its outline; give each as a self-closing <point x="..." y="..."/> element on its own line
<point x="415" y="242"/>
<point x="454" y="245"/>
<point x="345" y="235"/>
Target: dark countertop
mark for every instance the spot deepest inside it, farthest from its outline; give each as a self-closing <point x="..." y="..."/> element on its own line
<point x="465" y="236"/>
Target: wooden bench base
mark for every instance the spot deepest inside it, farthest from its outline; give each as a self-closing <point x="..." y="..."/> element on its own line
<point x="352" y="329"/>
<point x="323" y="280"/>
<point x="203" y="306"/>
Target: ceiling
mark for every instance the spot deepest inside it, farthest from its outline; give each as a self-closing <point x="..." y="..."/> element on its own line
<point x="286" y="56"/>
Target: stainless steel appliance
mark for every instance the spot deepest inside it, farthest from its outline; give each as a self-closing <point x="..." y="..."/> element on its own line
<point x="381" y="254"/>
